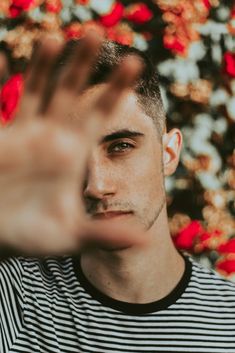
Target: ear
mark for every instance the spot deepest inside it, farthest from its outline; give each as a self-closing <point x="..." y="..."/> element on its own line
<point x="172" y="144"/>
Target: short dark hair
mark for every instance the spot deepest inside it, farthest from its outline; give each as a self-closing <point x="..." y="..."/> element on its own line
<point x="147" y="86"/>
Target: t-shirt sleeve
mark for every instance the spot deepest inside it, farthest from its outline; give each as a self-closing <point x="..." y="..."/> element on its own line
<point x="11" y="302"/>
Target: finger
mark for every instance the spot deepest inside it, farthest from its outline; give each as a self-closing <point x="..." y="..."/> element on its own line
<point x="116" y="235"/>
<point x="76" y="74"/>
<point x="123" y="78"/>
<point x="50" y="243"/>
<point x="73" y="78"/>
<point x="43" y="59"/>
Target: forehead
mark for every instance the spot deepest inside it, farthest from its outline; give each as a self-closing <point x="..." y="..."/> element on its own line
<point x="126" y="113"/>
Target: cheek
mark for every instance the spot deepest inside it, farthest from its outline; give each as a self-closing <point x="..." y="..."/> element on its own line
<point x="141" y="176"/>
<point x="147" y="168"/>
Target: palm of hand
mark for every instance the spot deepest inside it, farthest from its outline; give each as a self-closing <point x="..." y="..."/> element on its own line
<point x="43" y="159"/>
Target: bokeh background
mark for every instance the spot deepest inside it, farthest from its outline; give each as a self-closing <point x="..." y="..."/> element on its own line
<point x="192" y="44"/>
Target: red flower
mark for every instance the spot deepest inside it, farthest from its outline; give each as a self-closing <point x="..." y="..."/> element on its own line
<point x="120" y="34"/>
<point x="207" y="4"/>
<point x="229" y="60"/>
<point x="9" y="97"/>
<point x="77" y="30"/>
<point x="82" y="2"/>
<point x="17" y="6"/>
<point x="228" y="247"/>
<point x="93" y="26"/>
<point x="226" y="266"/>
<point x="73" y="31"/>
<point x="232" y="15"/>
<point x="113" y="17"/>
<point x="138" y="13"/>
<point x="54" y="6"/>
<point x="209" y="240"/>
<point x="175" y="44"/>
<point x="186" y="237"/>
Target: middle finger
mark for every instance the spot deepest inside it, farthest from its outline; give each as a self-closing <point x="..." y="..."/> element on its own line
<point x="73" y="77"/>
<point x="43" y="59"/>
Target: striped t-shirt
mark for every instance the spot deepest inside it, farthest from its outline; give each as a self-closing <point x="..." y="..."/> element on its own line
<point x="49" y="306"/>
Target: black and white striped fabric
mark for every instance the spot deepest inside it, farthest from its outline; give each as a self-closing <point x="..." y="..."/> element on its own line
<point x="47" y="306"/>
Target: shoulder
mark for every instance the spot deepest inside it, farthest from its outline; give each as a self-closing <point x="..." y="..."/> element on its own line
<point x="30" y="267"/>
<point x="11" y="269"/>
<point x="210" y="283"/>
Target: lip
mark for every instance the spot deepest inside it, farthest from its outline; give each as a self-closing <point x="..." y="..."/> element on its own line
<point x="110" y="214"/>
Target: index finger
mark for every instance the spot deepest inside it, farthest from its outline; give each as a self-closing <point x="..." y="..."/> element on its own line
<point x="73" y="75"/>
<point x="36" y="77"/>
<point x="122" y="78"/>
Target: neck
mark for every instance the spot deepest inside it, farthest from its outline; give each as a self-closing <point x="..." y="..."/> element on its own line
<point x="140" y="274"/>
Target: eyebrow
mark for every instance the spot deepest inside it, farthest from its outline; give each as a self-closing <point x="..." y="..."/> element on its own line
<point x="120" y="134"/>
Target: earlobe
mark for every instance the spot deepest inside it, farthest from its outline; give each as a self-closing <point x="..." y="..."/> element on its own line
<point x="172" y="143"/>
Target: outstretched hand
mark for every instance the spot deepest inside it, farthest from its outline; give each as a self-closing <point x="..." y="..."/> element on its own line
<point x="43" y="154"/>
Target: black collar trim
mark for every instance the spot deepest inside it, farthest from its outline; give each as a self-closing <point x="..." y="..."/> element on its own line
<point x="133" y="308"/>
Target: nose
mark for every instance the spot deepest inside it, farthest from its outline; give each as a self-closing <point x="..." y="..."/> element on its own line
<point x="99" y="181"/>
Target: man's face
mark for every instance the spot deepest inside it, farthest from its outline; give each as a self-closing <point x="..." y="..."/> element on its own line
<point x="125" y="178"/>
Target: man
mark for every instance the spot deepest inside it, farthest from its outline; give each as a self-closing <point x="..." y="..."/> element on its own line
<point x="133" y="293"/>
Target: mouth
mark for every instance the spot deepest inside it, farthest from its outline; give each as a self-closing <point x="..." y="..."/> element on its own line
<point x="111" y="215"/>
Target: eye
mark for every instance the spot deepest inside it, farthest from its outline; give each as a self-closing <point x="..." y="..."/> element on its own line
<point x="120" y="147"/>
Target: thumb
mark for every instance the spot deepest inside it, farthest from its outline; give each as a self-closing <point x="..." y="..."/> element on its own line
<point x="115" y="235"/>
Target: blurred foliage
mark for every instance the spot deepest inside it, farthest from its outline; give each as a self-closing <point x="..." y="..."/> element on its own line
<point x="192" y="44"/>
